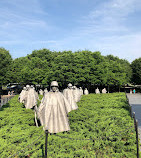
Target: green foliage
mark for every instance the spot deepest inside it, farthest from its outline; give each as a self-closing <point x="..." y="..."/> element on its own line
<point x="136" y="67"/>
<point x="119" y="71"/>
<point x="17" y="129"/>
<point x="99" y="117"/>
<point x="5" y="62"/>
<point x="80" y="68"/>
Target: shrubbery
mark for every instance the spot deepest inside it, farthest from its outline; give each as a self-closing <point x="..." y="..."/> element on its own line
<point x="17" y="129"/>
<point x="99" y="117"/>
<point x="83" y="68"/>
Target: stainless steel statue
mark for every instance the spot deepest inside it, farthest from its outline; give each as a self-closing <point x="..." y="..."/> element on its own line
<point x="68" y="93"/>
<point x="41" y="92"/>
<point x="53" y="111"/>
<point x="76" y="94"/>
<point x="22" y="95"/>
<point x="104" y="90"/>
<point x="31" y="98"/>
<point x="86" y="92"/>
<point x="97" y="91"/>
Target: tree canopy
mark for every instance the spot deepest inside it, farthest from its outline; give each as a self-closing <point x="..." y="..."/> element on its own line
<point x="136" y="68"/>
<point x="83" y="68"/>
<point x="5" y="62"/>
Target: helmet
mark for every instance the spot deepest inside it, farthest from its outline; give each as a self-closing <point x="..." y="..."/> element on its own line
<point x="27" y="86"/>
<point x="69" y="85"/>
<point x="54" y="83"/>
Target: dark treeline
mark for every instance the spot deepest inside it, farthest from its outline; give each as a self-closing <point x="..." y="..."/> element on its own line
<point x="83" y="68"/>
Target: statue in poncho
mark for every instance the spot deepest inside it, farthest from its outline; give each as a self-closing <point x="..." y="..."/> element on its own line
<point x="36" y="93"/>
<point x="53" y="111"/>
<point x="45" y="91"/>
<point x="104" y="90"/>
<point x="86" y="92"/>
<point x="41" y="92"/>
<point x="68" y="94"/>
<point x="77" y="94"/>
<point x="81" y="91"/>
<point x="22" y="95"/>
<point x="31" y="98"/>
<point x="24" y="100"/>
<point x="97" y="91"/>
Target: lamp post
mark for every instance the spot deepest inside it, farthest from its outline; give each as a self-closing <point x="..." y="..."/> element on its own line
<point x="46" y="140"/>
<point x="0" y="94"/>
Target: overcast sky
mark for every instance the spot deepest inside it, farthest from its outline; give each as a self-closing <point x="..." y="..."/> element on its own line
<point x="108" y="26"/>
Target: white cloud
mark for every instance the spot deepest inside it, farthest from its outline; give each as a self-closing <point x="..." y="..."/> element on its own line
<point x="34" y="23"/>
<point x="124" y="46"/>
<point x="19" y="18"/>
<point x="22" y="6"/>
<point x="3" y="42"/>
<point x="44" y="42"/>
<point x="104" y="29"/>
<point x="109" y="16"/>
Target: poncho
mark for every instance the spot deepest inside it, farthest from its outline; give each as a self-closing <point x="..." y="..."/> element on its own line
<point x="97" y="91"/>
<point x="68" y="94"/>
<point x="104" y="90"/>
<point x="41" y="92"/>
<point x="24" y="100"/>
<point x="81" y="91"/>
<point x="31" y="99"/>
<point x="22" y="96"/>
<point x="77" y="94"/>
<point x="53" y="112"/>
<point x="86" y="92"/>
<point x="45" y="91"/>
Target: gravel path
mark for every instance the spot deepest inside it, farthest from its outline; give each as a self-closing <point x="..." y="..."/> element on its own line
<point x="135" y="101"/>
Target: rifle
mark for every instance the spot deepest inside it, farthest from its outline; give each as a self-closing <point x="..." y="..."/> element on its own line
<point x="36" y="113"/>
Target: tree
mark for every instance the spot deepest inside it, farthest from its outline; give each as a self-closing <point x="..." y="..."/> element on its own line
<point x="119" y="71"/>
<point x="136" y="67"/>
<point x="83" y="68"/>
<point x="86" y="67"/>
<point x="14" y="73"/>
<point x="62" y="68"/>
<point x="5" y="63"/>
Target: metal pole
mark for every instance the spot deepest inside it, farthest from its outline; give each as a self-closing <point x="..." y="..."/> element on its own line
<point x="130" y="106"/>
<point x="0" y="100"/>
<point x="131" y="110"/>
<point x="3" y="101"/>
<point x="46" y="140"/>
<point x="134" y="120"/>
<point x="137" y="138"/>
<point x="36" y="111"/>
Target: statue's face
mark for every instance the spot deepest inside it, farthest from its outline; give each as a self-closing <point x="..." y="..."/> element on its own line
<point x="70" y="87"/>
<point x="54" y="88"/>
